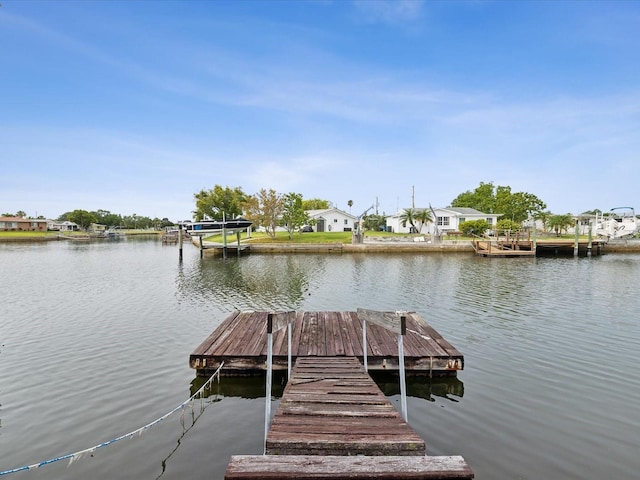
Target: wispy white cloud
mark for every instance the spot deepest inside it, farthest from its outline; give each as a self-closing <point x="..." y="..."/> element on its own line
<point x="391" y="12"/>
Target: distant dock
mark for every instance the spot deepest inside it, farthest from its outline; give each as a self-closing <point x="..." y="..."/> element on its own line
<point x="516" y="247"/>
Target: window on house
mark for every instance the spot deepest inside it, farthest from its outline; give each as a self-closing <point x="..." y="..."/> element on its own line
<point x="335" y="220"/>
<point x="346" y="221"/>
<point x="490" y="221"/>
<point x="443" y="221"/>
<point x="461" y="219"/>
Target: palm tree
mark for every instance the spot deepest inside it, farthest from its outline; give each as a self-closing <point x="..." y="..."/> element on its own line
<point x="409" y="216"/>
<point x="350" y="203"/>
<point x="421" y="217"/>
<point x="544" y="217"/>
<point x="560" y="223"/>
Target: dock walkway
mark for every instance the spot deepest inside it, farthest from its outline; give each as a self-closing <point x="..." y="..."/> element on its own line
<point x="333" y="422"/>
<point x="331" y="406"/>
<point x="240" y="341"/>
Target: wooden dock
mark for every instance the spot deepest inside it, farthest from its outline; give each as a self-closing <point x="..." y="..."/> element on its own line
<point x="240" y="341"/>
<point x="568" y="247"/>
<point x="490" y="248"/>
<point x="333" y="422"/>
<point x="331" y="406"/>
<point x="529" y="248"/>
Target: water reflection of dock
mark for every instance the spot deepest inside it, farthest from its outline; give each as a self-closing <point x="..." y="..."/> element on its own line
<point x="251" y="387"/>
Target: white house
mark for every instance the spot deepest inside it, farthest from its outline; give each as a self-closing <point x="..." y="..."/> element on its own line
<point x="332" y="220"/>
<point x="446" y="220"/>
<point x="65" y="226"/>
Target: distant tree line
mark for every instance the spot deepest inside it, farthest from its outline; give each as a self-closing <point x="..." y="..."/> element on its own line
<point x="84" y="219"/>
<point x="269" y="209"/>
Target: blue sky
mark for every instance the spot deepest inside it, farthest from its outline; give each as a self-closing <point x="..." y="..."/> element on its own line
<point x="134" y="106"/>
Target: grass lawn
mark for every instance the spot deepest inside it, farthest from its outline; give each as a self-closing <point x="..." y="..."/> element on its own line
<point x="26" y="234"/>
<point x="283" y="237"/>
<point x="307" y="237"/>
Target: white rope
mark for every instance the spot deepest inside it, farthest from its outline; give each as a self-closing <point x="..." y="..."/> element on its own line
<point x="72" y="457"/>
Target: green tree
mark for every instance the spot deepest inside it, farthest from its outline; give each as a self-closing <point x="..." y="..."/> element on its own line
<point x="21" y="214"/>
<point x="105" y="217"/>
<point x="543" y="217"/>
<point x="82" y="218"/>
<point x="218" y="202"/>
<point x="482" y="198"/>
<point x="265" y="209"/>
<point x="373" y="222"/>
<point x="316" y="204"/>
<point x="518" y="206"/>
<point x="474" y="227"/>
<point x="505" y="225"/>
<point x="350" y="204"/>
<point x="421" y="218"/>
<point x="486" y="198"/>
<point x="293" y="215"/>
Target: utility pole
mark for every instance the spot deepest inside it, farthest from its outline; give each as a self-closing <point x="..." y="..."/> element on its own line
<point x="413" y="197"/>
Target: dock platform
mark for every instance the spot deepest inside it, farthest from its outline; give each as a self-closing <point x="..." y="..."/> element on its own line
<point x="489" y="248"/>
<point x="528" y="248"/>
<point x="240" y="341"/>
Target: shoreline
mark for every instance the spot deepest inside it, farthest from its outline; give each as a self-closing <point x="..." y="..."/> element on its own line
<point x="447" y="246"/>
<point x="381" y="247"/>
<point x="55" y="237"/>
<point x="376" y="246"/>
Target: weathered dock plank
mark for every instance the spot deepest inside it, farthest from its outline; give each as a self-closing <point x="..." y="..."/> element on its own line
<point x="307" y="467"/>
<point x="332" y="407"/>
<point x="224" y="331"/>
<point x="241" y="343"/>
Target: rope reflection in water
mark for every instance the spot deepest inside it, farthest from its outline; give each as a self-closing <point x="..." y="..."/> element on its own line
<point x="72" y="457"/>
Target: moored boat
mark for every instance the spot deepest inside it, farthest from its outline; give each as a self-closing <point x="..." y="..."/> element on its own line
<point x="618" y="223"/>
<point x="209" y="227"/>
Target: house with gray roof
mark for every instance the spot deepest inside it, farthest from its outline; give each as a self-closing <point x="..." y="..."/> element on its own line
<point x="332" y="220"/>
<point x="445" y="220"/>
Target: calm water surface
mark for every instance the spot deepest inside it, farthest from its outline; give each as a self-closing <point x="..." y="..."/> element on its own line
<point x="95" y="339"/>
